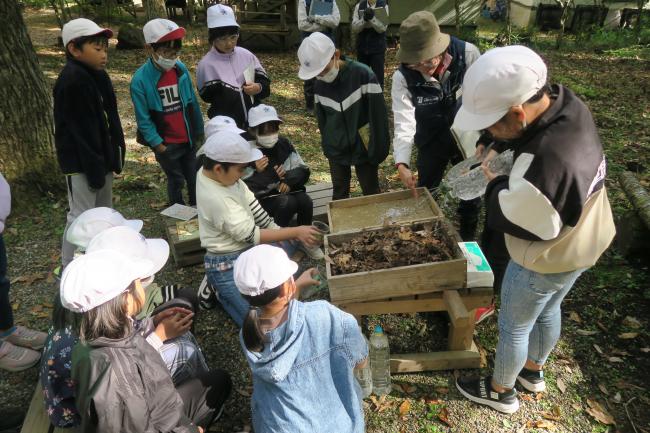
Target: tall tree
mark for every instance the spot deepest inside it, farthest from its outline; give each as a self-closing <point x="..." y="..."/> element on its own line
<point x="27" y="142"/>
<point x="154" y="9"/>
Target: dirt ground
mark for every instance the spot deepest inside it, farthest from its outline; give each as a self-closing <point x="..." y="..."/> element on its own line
<point x="600" y="366"/>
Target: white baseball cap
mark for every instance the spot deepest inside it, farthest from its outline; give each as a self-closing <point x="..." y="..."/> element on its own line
<point x="162" y="30"/>
<point x="261" y="114"/>
<point x="131" y="243"/>
<point x="314" y="54"/>
<point x="221" y="16"/>
<point x="221" y="123"/>
<point x="228" y="146"/>
<point x="95" y="278"/>
<point x="262" y="268"/>
<point x="93" y="221"/>
<point x="501" y="78"/>
<point x="81" y="27"/>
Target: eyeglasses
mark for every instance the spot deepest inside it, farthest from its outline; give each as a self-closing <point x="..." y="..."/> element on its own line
<point x="228" y="38"/>
<point x="428" y="64"/>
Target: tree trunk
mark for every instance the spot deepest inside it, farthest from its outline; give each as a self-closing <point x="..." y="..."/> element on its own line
<point x="154" y="9"/>
<point x="27" y="141"/>
<point x="457" y="10"/>
<point x="637" y="194"/>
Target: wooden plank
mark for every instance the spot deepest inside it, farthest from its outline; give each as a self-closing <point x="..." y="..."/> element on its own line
<point x="318" y="187"/>
<point x="456" y="308"/>
<point x="479" y="297"/>
<point x="36" y="420"/>
<point x="455" y="359"/>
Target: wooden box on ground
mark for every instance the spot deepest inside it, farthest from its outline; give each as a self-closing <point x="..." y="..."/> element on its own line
<point x="186" y="249"/>
<point x="399" y="281"/>
<point x="378" y="210"/>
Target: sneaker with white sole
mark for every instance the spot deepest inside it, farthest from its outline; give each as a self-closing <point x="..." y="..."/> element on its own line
<point x="483" y="313"/>
<point x="25" y="337"/>
<point x="314" y="253"/>
<point x="532" y="381"/>
<point x="16" y="358"/>
<point x="479" y="390"/>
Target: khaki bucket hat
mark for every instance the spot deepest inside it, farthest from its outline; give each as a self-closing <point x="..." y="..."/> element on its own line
<point x="421" y="38"/>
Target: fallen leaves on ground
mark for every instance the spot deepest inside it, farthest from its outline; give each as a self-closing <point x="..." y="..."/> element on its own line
<point x="561" y="386"/>
<point x="603" y="389"/>
<point x="381" y="404"/>
<point x="628" y="335"/>
<point x="29" y="279"/>
<point x="542" y="423"/>
<point x="443" y="416"/>
<point x="404" y="409"/>
<point x="586" y="333"/>
<point x="596" y="410"/>
<point x="631" y="322"/>
<point x="554" y="414"/>
<point x="575" y="317"/>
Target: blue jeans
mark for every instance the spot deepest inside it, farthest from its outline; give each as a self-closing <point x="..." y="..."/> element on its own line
<point x="529" y="320"/>
<point x="218" y="269"/>
<point x="6" y="314"/>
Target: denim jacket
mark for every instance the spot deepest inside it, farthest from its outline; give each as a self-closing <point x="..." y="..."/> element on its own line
<point x="303" y="379"/>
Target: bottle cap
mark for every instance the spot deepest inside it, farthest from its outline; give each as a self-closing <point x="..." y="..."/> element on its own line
<point x="378" y="330"/>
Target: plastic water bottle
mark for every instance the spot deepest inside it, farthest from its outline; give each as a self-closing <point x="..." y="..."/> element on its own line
<point x="380" y="362"/>
<point x="364" y="376"/>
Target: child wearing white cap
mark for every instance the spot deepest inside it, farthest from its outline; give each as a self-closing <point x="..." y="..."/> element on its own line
<point x="279" y="179"/>
<point x="302" y="355"/>
<point x="121" y="382"/>
<point x="351" y="114"/>
<point x="231" y="219"/>
<point x="229" y="78"/>
<point x="87" y="129"/>
<point x="167" y="110"/>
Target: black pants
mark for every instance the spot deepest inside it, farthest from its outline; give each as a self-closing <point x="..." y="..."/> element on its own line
<point x="204" y="396"/>
<point x="283" y="207"/>
<point x="374" y="61"/>
<point x="367" y="174"/>
<point x="308" y="89"/>
<point x="431" y="163"/>
<point x="6" y="314"/>
<point x="178" y="162"/>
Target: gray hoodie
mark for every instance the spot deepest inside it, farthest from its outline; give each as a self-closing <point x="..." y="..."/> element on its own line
<point x="5" y="202"/>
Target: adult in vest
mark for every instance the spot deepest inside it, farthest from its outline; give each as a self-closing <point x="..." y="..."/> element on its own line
<point x="426" y="93"/>
<point x="371" y="36"/>
<point x="310" y="23"/>
<point x="553" y="209"/>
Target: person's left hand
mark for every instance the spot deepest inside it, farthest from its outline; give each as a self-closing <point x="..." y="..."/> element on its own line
<point x="252" y="89"/>
<point x="283" y="188"/>
<point x="280" y="171"/>
<point x="307" y="279"/>
<point x="489" y="174"/>
<point x="168" y="313"/>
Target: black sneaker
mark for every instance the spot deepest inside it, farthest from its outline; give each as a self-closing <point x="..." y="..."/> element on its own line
<point x="207" y="297"/>
<point x="532" y="381"/>
<point x="479" y="390"/>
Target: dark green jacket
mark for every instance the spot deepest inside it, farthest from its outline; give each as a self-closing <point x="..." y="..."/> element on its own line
<point x="354" y="101"/>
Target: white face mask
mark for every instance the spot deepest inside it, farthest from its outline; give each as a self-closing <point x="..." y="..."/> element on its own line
<point x="267" y="141"/>
<point x="165" y="64"/>
<point x="331" y="74"/>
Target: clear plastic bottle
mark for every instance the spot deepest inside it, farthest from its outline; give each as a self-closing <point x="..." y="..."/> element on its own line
<point x="364" y="375"/>
<point x="380" y="362"/>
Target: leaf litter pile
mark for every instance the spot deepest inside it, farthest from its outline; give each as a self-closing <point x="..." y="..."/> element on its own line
<point x="390" y="248"/>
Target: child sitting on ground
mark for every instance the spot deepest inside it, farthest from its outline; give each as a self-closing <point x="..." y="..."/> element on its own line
<point x="231" y="219"/>
<point x="166" y="108"/>
<point x="302" y="355"/>
<point x="229" y="78"/>
<point x="121" y="382"/>
<point x="278" y="181"/>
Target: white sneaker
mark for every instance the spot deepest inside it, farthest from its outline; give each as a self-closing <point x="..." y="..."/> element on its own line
<point x="314" y="253"/>
<point x="16" y="358"/>
<point x="25" y="337"/>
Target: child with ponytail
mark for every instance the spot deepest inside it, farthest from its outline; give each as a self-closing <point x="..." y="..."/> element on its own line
<point x="302" y="355"/>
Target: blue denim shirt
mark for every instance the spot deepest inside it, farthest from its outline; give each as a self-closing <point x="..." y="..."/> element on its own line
<point x="303" y="379"/>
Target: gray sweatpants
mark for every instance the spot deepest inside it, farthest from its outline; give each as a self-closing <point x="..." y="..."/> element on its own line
<point x="81" y="198"/>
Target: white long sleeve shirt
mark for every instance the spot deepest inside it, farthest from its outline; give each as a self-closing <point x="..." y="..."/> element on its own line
<point x="359" y="24"/>
<point x="404" y="110"/>
<point x="318" y="23"/>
